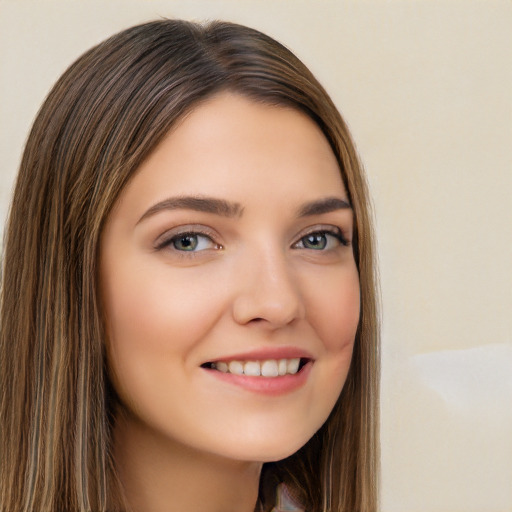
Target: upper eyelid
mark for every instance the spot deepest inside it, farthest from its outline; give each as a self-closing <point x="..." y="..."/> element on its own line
<point x="325" y="228"/>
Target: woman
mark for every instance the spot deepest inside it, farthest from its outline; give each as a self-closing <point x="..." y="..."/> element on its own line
<point x="188" y="301"/>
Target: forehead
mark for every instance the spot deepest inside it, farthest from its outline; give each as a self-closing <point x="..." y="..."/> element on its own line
<point x="233" y="146"/>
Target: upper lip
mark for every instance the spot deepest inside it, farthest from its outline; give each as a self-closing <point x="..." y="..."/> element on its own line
<point x="263" y="354"/>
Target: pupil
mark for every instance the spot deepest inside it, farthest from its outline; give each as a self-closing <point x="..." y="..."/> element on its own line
<point x="316" y="241"/>
<point x="186" y="243"/>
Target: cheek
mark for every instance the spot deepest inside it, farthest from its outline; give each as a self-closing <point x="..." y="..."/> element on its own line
<point x="153" y="318"/>
<point x="334" y="311"/>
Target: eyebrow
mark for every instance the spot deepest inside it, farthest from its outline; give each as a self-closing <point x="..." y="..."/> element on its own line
<point x="320" y="206"/>
<point x="197" y="203"/>
<point x="229" y="209"/>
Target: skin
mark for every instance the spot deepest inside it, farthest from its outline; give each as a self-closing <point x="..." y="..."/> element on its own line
<point x="186" y="440"/>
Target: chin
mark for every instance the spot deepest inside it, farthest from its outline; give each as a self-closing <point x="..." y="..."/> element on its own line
<point x="269" y="448"/>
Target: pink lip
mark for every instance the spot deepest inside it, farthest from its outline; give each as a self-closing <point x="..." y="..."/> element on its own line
<point x="270" y="386"/>
<point x="266" y="353"/>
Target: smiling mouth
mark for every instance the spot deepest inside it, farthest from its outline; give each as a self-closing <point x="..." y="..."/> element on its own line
<point x="265" y="368"/>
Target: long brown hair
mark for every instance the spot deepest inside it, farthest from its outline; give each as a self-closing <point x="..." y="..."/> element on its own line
<point x="101" y="120"/>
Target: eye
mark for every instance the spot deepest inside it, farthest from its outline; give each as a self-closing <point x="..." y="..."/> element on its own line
<point x="189" y="242"/>
<point x="321" y="240"/>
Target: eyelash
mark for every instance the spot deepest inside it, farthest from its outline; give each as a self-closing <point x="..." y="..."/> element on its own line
<point x="333" y="232"/>
<point x="197" y="232"/>
<point x="169" y="241"/>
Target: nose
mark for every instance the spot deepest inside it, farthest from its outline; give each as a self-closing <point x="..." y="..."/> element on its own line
<point x="268" y="292"/>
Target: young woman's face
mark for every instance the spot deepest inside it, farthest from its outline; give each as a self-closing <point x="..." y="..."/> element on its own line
<point x="229" y="283"/>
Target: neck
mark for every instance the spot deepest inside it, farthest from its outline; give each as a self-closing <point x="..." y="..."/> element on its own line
<point x="160" y="475"/>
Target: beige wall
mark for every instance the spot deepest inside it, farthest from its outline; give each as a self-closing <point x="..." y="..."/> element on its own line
<point x="426" y="88"/>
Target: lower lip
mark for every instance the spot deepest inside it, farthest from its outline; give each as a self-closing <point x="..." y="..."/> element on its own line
<point x="272" y="386"/>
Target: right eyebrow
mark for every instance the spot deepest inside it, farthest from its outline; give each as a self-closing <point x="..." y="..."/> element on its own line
<point x="325" y="205"/>
<point x="197" y="203"/>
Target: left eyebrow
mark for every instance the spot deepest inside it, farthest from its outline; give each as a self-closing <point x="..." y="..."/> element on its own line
<point x="320" y="206"/>
<point x="197" y="203"/>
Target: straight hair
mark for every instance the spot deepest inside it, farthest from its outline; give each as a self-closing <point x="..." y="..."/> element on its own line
<point x="101" y="120"/>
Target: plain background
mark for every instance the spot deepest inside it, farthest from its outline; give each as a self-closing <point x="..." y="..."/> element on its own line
<point x="425" y="87"/>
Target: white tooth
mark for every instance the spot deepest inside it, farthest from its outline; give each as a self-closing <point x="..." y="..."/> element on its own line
<point x="222" y="367"/>
<point x="282" y="366"/>
<point x="269" y="369"/>
<point x="293" y="365"/>
<point x="236" y="367"/>
<point x="252" y="368"/>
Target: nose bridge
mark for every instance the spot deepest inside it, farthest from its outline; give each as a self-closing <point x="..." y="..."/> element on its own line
<point x="268" y="289"/>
